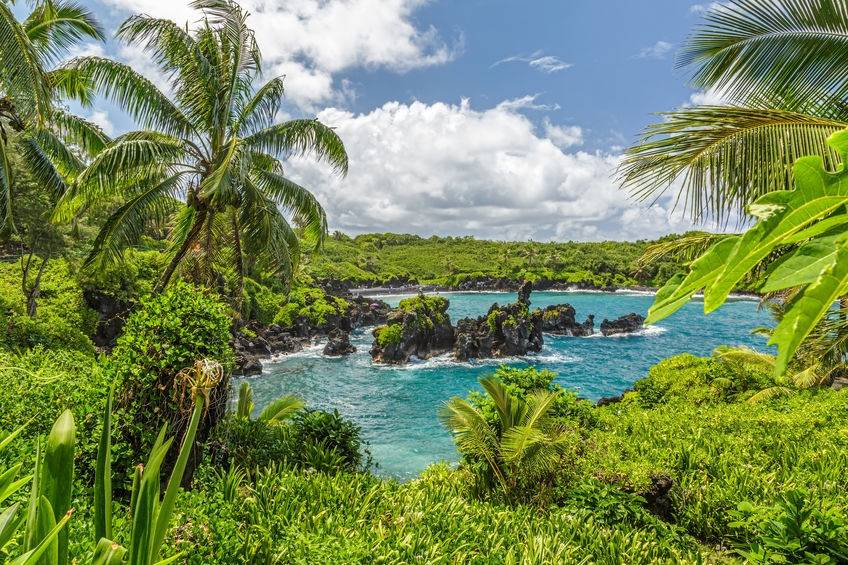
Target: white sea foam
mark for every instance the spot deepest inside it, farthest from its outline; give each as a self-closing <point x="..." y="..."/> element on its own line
<point x="646" y="331"/>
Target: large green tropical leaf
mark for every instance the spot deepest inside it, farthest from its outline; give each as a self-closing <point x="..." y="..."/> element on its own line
<point x="680" y="288"/>
<point x="814" y="210"/>
<point x="810" y="307"/>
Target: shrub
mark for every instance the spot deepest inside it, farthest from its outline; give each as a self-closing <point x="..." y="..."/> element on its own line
<point x="333" y="433"/>
<point x="311" y="304"/>
<point x="388" y="335"/>
<point x="39" y="384"/>
<point x="520" y="382"/>
<point x="164" y="335"/>
<point x="248" y="444"/>
<point x="63" y="320"/>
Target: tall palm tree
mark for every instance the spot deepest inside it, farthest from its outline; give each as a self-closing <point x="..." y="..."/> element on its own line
<point x="781" y="67"/>
<point x="34" y="133"/>
<point x="214" y="143"/>
<point x="525" y="445"/>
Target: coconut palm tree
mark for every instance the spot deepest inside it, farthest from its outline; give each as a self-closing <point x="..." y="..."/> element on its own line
<point x="214" y="142"/>
<point x="781" y="69"/>
<point x="522" y="449"/>
<point x="34" y="133"/>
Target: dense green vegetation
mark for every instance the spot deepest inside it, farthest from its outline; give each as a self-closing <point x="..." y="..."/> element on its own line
<point x="374" y="259"/>
<point x="132" y="453"/>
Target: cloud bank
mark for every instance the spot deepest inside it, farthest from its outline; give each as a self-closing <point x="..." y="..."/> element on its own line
<point x="453" y="169"/>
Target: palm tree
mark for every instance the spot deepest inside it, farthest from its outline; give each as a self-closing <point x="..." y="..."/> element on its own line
<point x="781" y="66"/>
<point x="34" y="133"/>
<point x="525" y="445"/>
<point x="215" y="145"/>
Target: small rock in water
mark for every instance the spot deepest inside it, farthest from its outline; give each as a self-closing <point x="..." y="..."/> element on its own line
<point x="338" y="344"/>
<point x="623" y="325"/>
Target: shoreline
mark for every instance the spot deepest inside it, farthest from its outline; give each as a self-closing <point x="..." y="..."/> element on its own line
<point x="378" y="292"/>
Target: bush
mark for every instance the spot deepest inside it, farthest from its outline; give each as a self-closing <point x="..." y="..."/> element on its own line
<point x="313" y="305"/>
<point x="164" y="335"/>
<point x="249" y="444"/>
<point x="332" y="433"/>
<point x="62" y="320"/>
<point x="312" y="439"/>
<point x="39" y="384"/>
<point x="521" y="381"/>
<point x="699" y="380"/>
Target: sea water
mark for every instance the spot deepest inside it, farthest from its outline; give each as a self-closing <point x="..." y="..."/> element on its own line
<point x="396" y="405"/>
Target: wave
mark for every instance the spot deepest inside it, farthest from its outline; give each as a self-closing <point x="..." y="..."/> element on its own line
<point x="646" y="331"/>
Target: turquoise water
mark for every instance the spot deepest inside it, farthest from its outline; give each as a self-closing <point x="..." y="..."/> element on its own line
<point x="396" y="406"/>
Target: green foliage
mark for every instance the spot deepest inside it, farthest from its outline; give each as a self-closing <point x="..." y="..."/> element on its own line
<point x="39" y="384"/>
<point x="386" y="258"/>
<point x="523" y="382"/>
<point x="311" y="304"/>
<point x="813" y="214"/>
<point x="388" y="335"/>
<point x="699" y="380"/>
<point x="332" y="433"/>
<point x="63" y="320"/>
<point x="165" y="334"/>
<point x="353" y="518"/>
<point x="522" y="452"/>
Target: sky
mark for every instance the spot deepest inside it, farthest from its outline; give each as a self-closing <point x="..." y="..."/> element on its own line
<point x="501" y="119"/>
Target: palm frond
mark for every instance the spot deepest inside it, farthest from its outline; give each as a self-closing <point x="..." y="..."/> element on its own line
<point x="135" y="94"/>
<point x="683" y="249"/>
<point x="301" y="137"/>
<point x="7" y="222"/>
<point x="54" y="27"/>
<point x="82" y="133"/>
<point x="307" y="211"/>
<point x="259" y="112"/>
<point x="127" y="223"/>
<point x="749" y="47"/>
<point x="770" y="393"/>
<point x="723" y="157"/>
<point x="281" y="409"/>
<point x="40" y="167"/>
<point x="22" y="74"/>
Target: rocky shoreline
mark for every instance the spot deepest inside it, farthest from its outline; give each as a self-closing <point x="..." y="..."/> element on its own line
<point x="420" y="328"/>
<point x="254" y="342"/>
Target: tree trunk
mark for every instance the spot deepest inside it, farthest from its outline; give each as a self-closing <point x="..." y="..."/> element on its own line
<point x="31" y="293"/>
<point x="178" y="256"/>
<point x="239" y="267"/>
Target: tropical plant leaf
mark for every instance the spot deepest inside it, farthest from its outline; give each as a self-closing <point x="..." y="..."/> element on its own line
<point x="804" y="266"/>
<point x="680" y="288"/>
<point x="815" y="301"/>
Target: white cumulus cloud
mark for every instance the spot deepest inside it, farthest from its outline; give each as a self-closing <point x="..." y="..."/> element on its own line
<point x="545" y="63"/>
<point x="311" y="41"/>
<point x="658" y="50"/>
<point x="454" y="169"/>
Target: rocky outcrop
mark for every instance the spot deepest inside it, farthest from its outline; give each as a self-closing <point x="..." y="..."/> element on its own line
<point x="560" y="319"/>
<point x="366" y="311"/>
<point x="338" y="344"/>
<point x="623" y="325"/>
<point x="255" y="342"/>
<point x="111" y="315"/>
<point x="419" y="327"/>
<point x="505" y="331"/>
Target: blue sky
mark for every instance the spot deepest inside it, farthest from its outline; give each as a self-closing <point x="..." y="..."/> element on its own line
<point x="496" y="118"/>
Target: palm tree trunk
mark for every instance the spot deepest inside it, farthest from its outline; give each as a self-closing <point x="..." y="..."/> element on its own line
<point x="193" y="233"/>
<point x="239" y="265"/>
